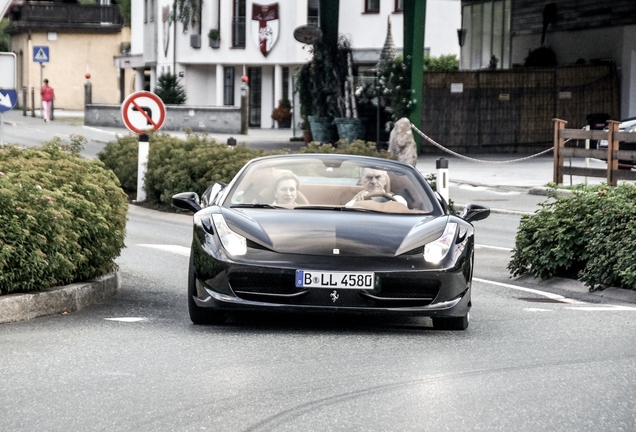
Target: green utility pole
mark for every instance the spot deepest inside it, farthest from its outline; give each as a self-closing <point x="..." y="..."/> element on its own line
<point x="414" y="23"/>
<point x="329" y="10"/>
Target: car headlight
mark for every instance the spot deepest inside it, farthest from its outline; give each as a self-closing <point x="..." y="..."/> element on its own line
<point x="233" y="243"/>
<point x="435" y="252"/>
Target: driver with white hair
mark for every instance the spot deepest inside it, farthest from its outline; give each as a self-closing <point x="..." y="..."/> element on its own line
<point x="374" y="181"/>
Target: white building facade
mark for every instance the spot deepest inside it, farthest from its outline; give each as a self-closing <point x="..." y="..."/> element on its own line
<point x="212" y="76"/>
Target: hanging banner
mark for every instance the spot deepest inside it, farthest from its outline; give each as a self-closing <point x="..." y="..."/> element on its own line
<point x="265" y="26"/>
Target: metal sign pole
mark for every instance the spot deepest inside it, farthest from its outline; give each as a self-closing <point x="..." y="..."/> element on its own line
<point x="142" y="162"/>
<point x="1" y="129"/>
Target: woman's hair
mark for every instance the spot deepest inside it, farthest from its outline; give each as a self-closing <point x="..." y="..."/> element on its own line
<point x="286" y="176"/>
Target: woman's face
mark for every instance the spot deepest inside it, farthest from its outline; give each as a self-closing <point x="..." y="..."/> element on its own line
<point x="286" y="192"/>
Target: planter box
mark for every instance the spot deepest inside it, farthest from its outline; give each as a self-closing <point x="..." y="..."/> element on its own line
<point x="195" y="41"/>
<point x="350" y="128"/>
<point x="214" y="43"/>
<point x="322" y="129"/>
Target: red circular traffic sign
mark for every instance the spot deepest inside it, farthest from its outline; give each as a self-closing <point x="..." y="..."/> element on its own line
<point x="143" y="111"/>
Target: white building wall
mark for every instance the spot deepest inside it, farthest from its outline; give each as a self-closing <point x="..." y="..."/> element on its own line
<point x="443" y="18"/>
<point x="136" y="27"/>
<point x="368" y="30"/>
<point x="202" y="67"/>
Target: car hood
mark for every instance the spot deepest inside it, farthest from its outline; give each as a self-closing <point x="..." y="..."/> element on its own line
<point x="329" y="232"/>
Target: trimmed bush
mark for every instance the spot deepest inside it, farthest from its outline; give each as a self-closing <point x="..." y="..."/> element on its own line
<point x="587" y="235"/>
<point x="62" y="217"/>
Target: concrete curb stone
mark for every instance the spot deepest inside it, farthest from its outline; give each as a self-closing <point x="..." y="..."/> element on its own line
<point x="23" y="307"/>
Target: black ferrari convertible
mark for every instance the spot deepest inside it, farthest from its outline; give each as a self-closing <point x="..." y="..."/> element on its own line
<point x="329" y="233"/>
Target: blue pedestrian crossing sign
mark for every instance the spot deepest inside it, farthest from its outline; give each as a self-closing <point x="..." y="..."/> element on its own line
<point x="8" y="99"/>
<point x="41" y="54"/>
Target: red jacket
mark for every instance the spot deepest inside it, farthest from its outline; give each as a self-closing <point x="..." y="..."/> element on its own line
<point x="47" y="93"/>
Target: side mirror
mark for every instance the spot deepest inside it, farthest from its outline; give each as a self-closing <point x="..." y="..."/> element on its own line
<point x="187" y="201"/>
<point x="475" y="212"/>
<point x="211" y="193"/>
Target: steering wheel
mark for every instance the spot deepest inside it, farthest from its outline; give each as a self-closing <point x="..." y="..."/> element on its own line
<point x="372" y="195"/>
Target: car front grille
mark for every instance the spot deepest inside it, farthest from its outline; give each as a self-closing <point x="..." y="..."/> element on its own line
<point x="390" y="291"/>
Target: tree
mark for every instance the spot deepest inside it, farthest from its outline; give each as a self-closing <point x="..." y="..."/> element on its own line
<point x="187" y="12"/>
<point x="443" y="63"/>
<point x="170" y="90"/>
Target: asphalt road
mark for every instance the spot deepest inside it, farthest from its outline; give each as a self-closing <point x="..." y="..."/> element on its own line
<point x="532" y="359"/>
<point x="529" y="360"/>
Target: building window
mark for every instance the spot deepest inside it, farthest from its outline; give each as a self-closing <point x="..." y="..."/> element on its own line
<point x="399" y="5"/>
<point x="238" y="24"/>
<point x="286" y="83"/>
<point x="255" y="75"/>
<point x="228" y="86"/>
<point x="487" y="28"/>
<point x="372" y="6"/>
<point x="313" y="12"/>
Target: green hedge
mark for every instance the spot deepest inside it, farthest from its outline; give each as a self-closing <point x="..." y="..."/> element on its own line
<point x="194" y="163"/>
<point x="587" y="235"/>
<point x="62" y="217"/>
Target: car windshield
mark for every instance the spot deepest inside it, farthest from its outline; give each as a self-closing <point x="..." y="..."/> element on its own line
<point x="323" y="183"/>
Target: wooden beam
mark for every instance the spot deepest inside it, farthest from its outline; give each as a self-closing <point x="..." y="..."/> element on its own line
<point x="559" y="142"/>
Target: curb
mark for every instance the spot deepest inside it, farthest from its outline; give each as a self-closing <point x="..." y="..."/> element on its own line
<point x="23" y="307"/>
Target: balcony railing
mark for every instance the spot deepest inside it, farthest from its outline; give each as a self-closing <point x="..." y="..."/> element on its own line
<point x="69" y="16"/>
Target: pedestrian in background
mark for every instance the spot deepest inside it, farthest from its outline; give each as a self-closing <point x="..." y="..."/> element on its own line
<point x="48" y="95"/>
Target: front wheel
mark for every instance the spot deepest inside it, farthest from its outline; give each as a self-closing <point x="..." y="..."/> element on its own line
<point x="199" y="315"/>
<point x="451" y="323"/>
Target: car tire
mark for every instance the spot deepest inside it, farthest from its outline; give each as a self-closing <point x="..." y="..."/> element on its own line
<point x="199" y="315"/>
<point x="451" y="323"/>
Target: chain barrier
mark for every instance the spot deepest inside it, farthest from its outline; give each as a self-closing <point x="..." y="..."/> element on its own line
<point x="423" y="135"/>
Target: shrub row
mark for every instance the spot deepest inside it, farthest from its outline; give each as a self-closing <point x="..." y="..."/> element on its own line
<point x="587" y="235"/>
<point x="62" y="217"/>
<point x="194" y="163"/>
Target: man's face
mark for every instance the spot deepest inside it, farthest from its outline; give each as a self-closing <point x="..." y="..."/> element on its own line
<point x="373" y="180"/>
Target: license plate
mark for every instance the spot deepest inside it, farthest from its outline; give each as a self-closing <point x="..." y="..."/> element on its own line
<point x="326" y="279"/>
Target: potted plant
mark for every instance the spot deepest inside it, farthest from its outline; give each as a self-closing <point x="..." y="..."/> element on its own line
<point x="282" y="113"/>
<point x="349" y="125"/>
<point x="319" y="89"/>
<point x="304" y="127"/>
<point x="214" y="38"/>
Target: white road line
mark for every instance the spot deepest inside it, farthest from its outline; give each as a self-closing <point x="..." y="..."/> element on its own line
<point x="551" y="296"/>
<point x="584" y="305"/>
<point x="127" y="319"/>
<point x="102" y="130"/>
<point x="479" y="246"/>
<point x="610" y="308"/>
<point x="179" y="250"/>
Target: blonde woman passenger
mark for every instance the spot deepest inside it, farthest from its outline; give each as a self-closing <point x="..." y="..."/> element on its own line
<point x="286" y="189"/>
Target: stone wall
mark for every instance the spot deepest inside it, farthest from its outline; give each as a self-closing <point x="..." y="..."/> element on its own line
<point x="225" y="120"/>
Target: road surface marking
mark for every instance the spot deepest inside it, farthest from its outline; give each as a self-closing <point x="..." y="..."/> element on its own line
<point x="610" y="308"/>
<point x="179" y="250"/>
<point x="479" y="246"/>
<point x="127" y="319"/>
<point x="585" y="306"/>
<point x="551" y="296"/>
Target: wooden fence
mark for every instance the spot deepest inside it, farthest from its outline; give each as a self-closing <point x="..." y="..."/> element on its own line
<point x="612" y="155"/>
<point x="510" y="110"/>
